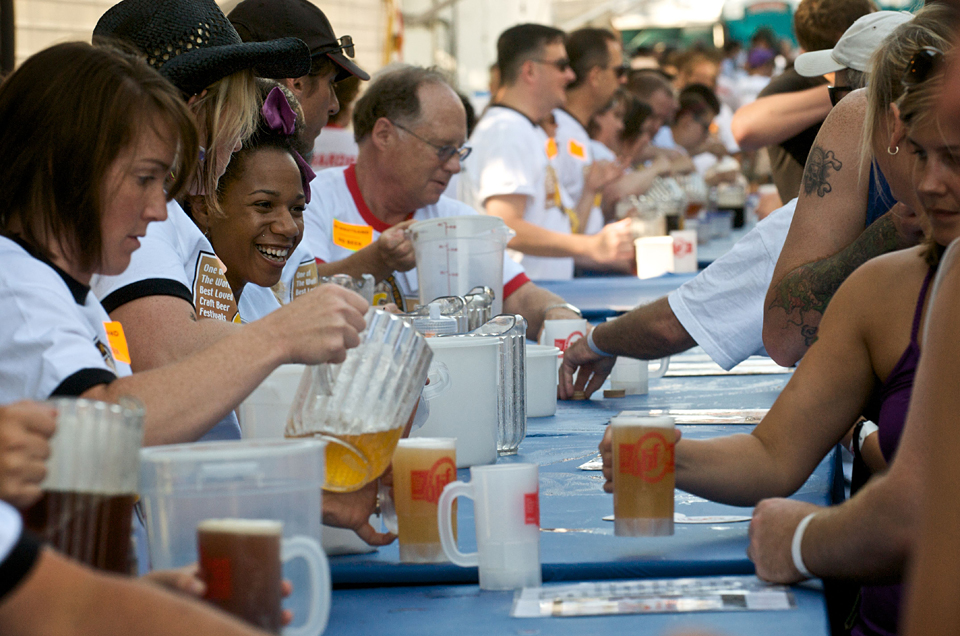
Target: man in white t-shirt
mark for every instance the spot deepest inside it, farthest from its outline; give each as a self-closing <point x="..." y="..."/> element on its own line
<point x="721" y="310"/>
<point x="596" y="57"/>
<point x="509" y="172"/>
<point x="410" y="127"/>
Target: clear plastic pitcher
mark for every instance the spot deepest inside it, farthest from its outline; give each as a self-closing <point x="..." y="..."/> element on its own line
<point x="277" y="482"/>
<point x="457" y="253"/>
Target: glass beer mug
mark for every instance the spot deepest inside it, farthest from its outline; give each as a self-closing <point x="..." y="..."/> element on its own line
<point x="361" y="405"/>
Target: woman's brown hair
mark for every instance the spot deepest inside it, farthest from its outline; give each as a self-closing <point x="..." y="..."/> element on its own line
<point x="68" y="112"/>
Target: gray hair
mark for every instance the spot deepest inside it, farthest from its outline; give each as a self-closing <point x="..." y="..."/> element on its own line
<point x="393" y="95"/>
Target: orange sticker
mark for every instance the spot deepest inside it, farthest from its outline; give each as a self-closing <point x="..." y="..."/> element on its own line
<point x="118" y="341"/>
<point x="351" y="237"/>
<point x="551" y="148"/>
<point x="305" y="279"/>
<point x="576" y="150"/>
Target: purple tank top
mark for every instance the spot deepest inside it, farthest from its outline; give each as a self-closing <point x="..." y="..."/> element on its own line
<point x="880" y="604"/>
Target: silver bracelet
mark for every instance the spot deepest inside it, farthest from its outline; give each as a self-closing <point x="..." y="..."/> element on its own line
<point x="597" y="350"/>
<point x="795" y="546"/>
<point x="564" y="306"/>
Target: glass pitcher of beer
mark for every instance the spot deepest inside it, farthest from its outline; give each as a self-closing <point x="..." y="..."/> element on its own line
<point x="361" y="405"/>
<point x="92" y="477"/>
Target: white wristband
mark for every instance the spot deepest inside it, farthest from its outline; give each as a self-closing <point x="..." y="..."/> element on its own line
<point x="795" y="546"/>
<point x="597" y="350"/>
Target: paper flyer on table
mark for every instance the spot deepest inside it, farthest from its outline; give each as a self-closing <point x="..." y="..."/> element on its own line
<point x="653" y="596"/>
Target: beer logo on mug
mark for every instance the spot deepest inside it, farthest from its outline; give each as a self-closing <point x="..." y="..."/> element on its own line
<point x="531" y="508"/>
<point x="681" y="248"/>
<point x="426" y="485"/>
<point x="650" y="458"/>
<point x="563" y="344"/>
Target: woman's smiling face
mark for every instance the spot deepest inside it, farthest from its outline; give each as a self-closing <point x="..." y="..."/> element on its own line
<point x="263" y="219"/>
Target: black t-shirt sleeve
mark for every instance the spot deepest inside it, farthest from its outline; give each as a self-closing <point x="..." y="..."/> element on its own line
<point x="18" y="563"/>
<point x="144" y="288"/>
<point x="790" y="81"/>
<point x="76" y="384"/>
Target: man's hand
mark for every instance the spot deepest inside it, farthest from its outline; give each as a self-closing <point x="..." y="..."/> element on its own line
<point x="395" y="249"/>
<point x="606" y="454"/>
<point x="614" y="243"/>
<point x="771" y="535"/>
<point x="590" y="370"/>
<point x="25" y="432"/>
<point x="352" y="510"/>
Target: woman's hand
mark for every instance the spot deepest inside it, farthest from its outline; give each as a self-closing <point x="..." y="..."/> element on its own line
<point x="319" y="326"/>
<point x="25" y="432"/>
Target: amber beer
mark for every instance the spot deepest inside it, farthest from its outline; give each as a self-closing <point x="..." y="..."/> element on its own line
<point x="240" y="564"/>
<point x="421" y="468"/>
<point x="363" y="459"/>
<point x="643" y="475"/>
<point x="89" y="527"/>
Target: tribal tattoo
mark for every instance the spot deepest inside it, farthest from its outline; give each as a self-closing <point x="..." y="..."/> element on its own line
<point x="817" y="169"/>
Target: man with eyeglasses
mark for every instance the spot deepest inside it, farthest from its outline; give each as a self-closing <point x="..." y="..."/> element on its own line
<point x="596" y="57"/>
<point x="509" y="172"/>
<point x="411" y="127"/>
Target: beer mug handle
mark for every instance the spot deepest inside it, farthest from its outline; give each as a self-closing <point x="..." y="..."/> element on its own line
<point x="662" y="369"/>
<point x="439" y="377"/>
<point x="310" y="551"/>
<point x="444" y="515"/>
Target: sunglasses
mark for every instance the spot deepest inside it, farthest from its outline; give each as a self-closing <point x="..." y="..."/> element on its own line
<point x="923" y="62"/>
<point x="562" y="64"/>
<point x="621" y="71"/>
<point x="444" y="153"/>
<point x="838" y="92"/>
<point x="344" y="44"/>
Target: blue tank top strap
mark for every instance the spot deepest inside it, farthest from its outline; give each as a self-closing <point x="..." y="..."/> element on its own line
<point x="915" y="331"/>
<point x="879" y="197"/>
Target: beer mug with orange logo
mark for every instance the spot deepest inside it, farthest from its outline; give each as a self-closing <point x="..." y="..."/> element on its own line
<point x="643" y="475"/>
<point x="422" y="467"/>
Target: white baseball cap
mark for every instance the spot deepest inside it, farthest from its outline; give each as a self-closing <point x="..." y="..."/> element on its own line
<point x="855" y="47"/>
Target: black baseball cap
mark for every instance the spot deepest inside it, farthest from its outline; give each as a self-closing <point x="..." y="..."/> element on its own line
<point x="263" y="20"/>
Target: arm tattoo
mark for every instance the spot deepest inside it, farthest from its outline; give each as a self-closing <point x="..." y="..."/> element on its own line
<point x="817" y="169"/>
<point x="805" y="292"/>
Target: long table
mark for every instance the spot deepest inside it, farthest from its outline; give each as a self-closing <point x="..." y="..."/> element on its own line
<point x="601" y="297"/>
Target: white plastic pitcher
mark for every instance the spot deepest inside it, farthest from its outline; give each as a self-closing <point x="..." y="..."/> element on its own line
<point x="457" y="253"/>
<point x="280" y="480"/>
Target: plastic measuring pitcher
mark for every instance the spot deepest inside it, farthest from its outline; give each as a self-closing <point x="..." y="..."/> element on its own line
<point x="457" y="253"/>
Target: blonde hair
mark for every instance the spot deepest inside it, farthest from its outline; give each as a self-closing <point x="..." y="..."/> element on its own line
<point x="228" y="111"/>
<point x="934" y="25"/>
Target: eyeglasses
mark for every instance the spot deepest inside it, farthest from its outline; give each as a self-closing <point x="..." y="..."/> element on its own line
<point x="561" y="64"/>
<point x="838" y="92"/>
<point x="921" y="65"/>
<point x="444" y="153"/>
<point x="621" y="71"/>
<point x="344" y="44"/>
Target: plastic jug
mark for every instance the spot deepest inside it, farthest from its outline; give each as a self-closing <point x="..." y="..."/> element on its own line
<point x="185" y="484"/>
<point x="457" y="253"/>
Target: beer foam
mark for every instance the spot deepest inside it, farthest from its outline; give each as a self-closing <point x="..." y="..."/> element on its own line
<point x="242" y="526"/>
<point x="428" y="442"/>
<point x="636" y="420"/>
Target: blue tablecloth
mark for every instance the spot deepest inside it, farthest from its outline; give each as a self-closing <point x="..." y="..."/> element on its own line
<point x="600" y="297"/>
<point x="576" y="544"/>
<point x="464" y="610"/>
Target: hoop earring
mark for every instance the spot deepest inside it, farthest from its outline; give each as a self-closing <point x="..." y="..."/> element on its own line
<point x="893" y="152"/>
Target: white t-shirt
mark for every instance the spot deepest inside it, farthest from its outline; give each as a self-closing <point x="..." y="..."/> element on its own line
<point x="722" y="308"/>
<point x="18" y="550"/>
<point x="298" y="277"/>
<point x="574" y="157"/>
<point x="601" y="152"/>
<point x="334" y="147"/>
<point x="176" y="259"/>
<point x="510" y="157"/>
<point x="53" y="331"/>
<point x="338" y="222"/>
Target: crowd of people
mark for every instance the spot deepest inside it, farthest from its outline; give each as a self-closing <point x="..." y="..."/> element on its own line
<point x="231" y="162"/>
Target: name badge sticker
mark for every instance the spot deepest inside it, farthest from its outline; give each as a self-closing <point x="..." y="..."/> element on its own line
<point x="351" y="237"/>
<point x="576" y="150"/>
<point x="118" y="341"/>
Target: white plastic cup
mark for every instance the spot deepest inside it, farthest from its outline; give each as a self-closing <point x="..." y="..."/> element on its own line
<point x="632" y="376"/>
<point x="563" y="333"/>
<point x="506" y="509"/>
<point x="542" y="380"/>
<point x="684" y="251"/>
<point x="654" y="256"/>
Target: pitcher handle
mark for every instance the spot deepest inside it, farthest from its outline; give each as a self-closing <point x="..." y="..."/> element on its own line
<point x="662" y="369"/>
<point x="353" y="450"/>
<point x="439" y="376"/>
<point x="444" y="523"/>
<point x="310" y="551"/>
